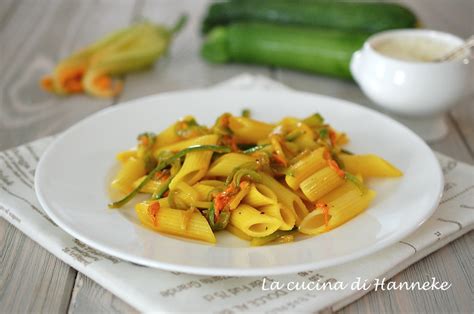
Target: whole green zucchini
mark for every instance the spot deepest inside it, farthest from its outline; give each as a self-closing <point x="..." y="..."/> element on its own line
<point x="355" y="16"/>
<point x="314" y="50"/>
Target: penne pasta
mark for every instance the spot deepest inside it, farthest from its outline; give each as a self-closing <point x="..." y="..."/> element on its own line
<point x="150" y="187"/>
<point x="196" y="163"/>
<point x="248" y="131"/>
<point x="223" y="166"/>
<point x="306" y="139"/>
<point x="164" y="202"/>
<point x="130" y="171"/>
<point x="305" y="167"/>
<point x="338" y="192"/>
<point x="167" y="137"/>
<point x="286" y="197"/>
<point x="238" y="233"/>
<point x="237" y="199"/>
<point x="320" y="183"/>
<point x="303" y="134"/>
<point x="185" y="196"/>
<point x="341" y="209"/>
<point x="369" y="166"/>
<point x="201" y="140"/>
<point x="213" y="183"/>
<point x="276" y="237"/>
<point x="203" y="190"/>
<point x="262" y="182"/>
<point x="122" y="157"/>
<point x="253" y="222"/>
<point x="282" y="213"/>
<point x="170" y="221"/>
<point x="260" y="195"/>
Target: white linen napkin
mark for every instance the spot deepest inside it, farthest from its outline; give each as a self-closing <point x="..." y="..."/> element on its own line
<point x="152" y="290"/>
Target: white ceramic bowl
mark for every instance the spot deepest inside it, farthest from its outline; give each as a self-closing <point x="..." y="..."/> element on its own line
<point x="411" y="89"/>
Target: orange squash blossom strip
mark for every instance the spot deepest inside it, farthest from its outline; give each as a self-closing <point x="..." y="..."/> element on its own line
<point x="276" y="143"/>
<point x="244" y="184"/>
<point x="327" y="154"/>
<point x="222" y="200"/>
<point x="280" y="159"/>
<point x="233" y="144"/>
<point x="153" y="211"/>
<point x="332" y="137"/>
<point x="144" y="140"/>
<point x="334" y="166"/>
<point x="231" y="141"/>
<point x="325" y="209"/>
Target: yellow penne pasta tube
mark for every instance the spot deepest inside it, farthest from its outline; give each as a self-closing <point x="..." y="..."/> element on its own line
<point x="249" y="131"/>
<point x="338" y="192"/>
<point x="369" y="166"/>
<point x="164" y="202"/>
<point x="341" y="210"/>
<point x="170" y="221"/>
<point x="172" y="135"/>
<point x="203" y="190"/>
<point x="302" y="196"/>
<point x="185" y="193"/>
<point x="288" y="122"/>
<point x="305" y="167"/>
<point x="167" y="137"/>
<point x="341" y="138"/>
<point x="252" y="222"/>
<point x="203" y="205"/>
<point x="195" y="163"/>
<point x="186" y="196"/>
<point x="205" y="187"/>
<point x="150" y="187"/>
<point x="185" y="188"/>
<point x="210" y="139"/>
<point x="260" y="195"/>
<point x="320" y="183"/>
<point x="293" y="148"/>
<point x="306" y="139"/>
<point x="280" y="236"/>
<point x="236" y="231"/>
<point x="305" y="142"/>
<point x="286" y="197"/>
<point x="224" y="165"/>
<point x="282" y="213"/>
<point x="214" y="183"/>
<point x="194" y="168"/>
<point x="236" y="199"/>
<point x="188" y="214"/>
<point x="125" y="155"/>
<point x="130" y="171"/>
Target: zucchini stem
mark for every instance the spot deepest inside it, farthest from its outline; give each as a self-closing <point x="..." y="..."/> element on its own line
<point x="183" y="19"/>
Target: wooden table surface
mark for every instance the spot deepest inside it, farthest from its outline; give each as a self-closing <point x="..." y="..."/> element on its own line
<point x="35" y="34"/>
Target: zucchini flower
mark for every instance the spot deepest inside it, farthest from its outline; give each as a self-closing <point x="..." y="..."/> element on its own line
<point x="95" y="69"/>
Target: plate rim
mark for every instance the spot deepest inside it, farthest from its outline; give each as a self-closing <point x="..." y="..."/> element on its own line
<point x="232" y="271"/>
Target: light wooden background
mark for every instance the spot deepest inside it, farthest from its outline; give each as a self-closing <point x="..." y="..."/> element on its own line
<point x="34" y="34"/>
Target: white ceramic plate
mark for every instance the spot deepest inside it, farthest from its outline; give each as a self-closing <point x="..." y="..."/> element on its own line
<point x="73" y="175"/>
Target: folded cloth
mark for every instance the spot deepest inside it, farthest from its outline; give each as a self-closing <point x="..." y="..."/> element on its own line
<point x="149" y="289"/>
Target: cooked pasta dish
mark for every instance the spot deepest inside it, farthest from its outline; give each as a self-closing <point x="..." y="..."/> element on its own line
<point x="261" y="181"/>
